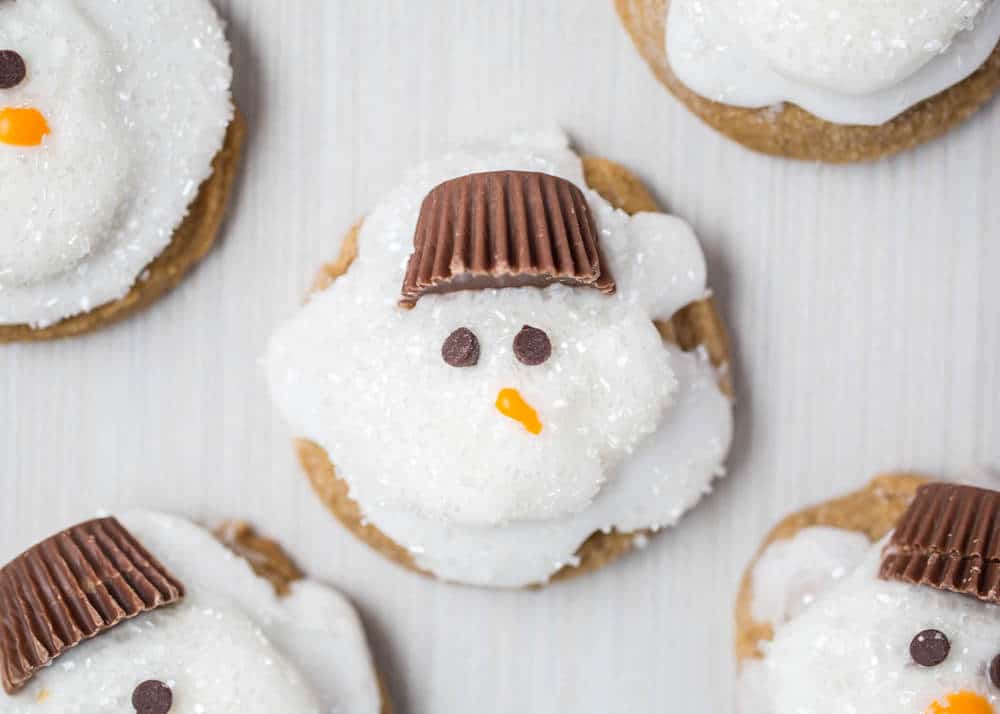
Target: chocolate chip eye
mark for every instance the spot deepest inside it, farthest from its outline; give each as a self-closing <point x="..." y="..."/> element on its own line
<point x="461" y="348"/>
<point x="995" y="671"/>
<point x="930" y="648"/>
<point x="532" y="346"/>
<point x="12" y="69"/>
<point x="152" y="697"/>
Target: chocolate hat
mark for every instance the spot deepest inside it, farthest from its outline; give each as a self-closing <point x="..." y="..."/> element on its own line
<point x="504" y="229"/>
<point x="948" y="539"/>
<point x="71" y="587"/>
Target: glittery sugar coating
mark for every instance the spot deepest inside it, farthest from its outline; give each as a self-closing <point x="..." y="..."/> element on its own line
<point x="632" y="431"/>
<point x="137" y="99"/>
<point x="845" y="61"/>
<point x="230" y="646"/>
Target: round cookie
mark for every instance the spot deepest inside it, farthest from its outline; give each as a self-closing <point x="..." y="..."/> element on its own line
<point x="904" y="624"/>
<point x="151" y="610"/>
<point x="872" y="511"/>
<point x="124" y="180"/>
<point x="696" y="326"/>
<point x="795" y="133"/>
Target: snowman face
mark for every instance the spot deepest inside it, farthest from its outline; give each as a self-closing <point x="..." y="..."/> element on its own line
<point x="59" y="137"/>
<point x="531" y="434"/>
<point x="484" y="407"/>
<point x="875" y="646"/>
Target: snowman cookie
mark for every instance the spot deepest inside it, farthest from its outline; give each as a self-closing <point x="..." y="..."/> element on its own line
<point x="886" y="600"/>
<point x="148" y="613"/>
<point x="825" y="80"/>
<point x="118" y="135"/>
<point x="484" y="368"/>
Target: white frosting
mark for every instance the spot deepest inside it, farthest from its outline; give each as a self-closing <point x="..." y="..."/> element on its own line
<point x="849" y="651"/>
<point x="231" y="646"/>
<point x="633" y="431"/>
<point x="136" y="95"/>
<point x="790" y="573"/>
<point x="846" y="61"/>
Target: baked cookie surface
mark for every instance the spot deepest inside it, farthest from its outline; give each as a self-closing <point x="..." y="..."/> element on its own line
<point x="793" y="132"/>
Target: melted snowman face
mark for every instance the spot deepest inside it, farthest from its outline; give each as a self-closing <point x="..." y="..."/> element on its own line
<point x="230" y="646"/>
<point x="500" y="441"/>
<point x="494" y="474"/>
<point x="106" y="139"/>
<point x="851" y="651"/>
<point x="71" y="175"/>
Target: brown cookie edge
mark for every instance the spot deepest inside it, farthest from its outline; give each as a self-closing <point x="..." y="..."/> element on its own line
<point x="270" y="561"/>
<point x="696" y="325"/>
<point x="793" y="132"/>
<point x="191" y="242"/>
<point x="873" y="511"/>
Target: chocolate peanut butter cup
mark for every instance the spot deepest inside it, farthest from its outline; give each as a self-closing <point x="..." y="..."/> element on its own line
<point x="504" y="229"/>
<point x="948" y="539"/>
<point x="71" y="587"/>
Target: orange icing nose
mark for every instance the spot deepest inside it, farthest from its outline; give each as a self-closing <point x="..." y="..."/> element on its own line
<point x="511" y="404"/>
<point x="962" y="703"/>
<point x="22" y="127"/>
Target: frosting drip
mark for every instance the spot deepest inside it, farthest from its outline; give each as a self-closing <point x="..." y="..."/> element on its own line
<point x="847" y="62"/>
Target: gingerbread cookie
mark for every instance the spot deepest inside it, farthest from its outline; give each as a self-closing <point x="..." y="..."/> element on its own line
<point x="835" y="82"/>
<point x="884" y="601"/>
<point x="120" y="169"/>
<point x="149" y="613"/>
<point x="483" y="366"/>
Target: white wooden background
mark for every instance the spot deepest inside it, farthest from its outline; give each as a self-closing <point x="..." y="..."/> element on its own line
<point x="864" y="301"/>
